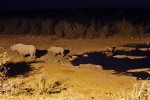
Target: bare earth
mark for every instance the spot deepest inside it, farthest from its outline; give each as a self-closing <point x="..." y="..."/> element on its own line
<point x="85" y="73"/>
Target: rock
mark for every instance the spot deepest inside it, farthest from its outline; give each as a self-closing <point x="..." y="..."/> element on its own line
<point x="108" y="54"/>
<point x="99" y="67"/>
<point x="85" y="55"/>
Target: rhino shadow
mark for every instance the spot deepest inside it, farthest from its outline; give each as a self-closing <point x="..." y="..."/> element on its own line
<point x="40" y="53"/>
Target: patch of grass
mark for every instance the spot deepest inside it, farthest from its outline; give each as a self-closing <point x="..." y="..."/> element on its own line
<point x="4" y="60"/>
<point x="139" y="92"/>
<point x="53" y="88"/>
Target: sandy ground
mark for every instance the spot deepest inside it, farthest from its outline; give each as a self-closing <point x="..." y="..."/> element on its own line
<point x="85" y="72"/>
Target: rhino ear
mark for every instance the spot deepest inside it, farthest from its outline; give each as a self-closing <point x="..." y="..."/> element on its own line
<point x="12" y="46"/>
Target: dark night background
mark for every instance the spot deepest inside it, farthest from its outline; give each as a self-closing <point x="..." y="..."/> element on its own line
<point x="6" y="5"/>
<point x="92" y="18"/>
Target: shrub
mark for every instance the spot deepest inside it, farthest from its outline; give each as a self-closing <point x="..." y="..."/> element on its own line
<point x="1" y="27"/>
<point x="125" y="28"/>
<point x="139" y="92"/>
<point x="47" y="27"/>
<point x="58" y="30"/>
<point x="91" y="31"/>
<point x="53" y="88"/>
<point x="4" y="60"/>
<point x="34" y="27"/>
<point x="10" y="26"/>
<point x="24" y="27"/>
<point x="67" y="29"/>
<point x="140" y="30"/>
<point x="79" y="30"/>
<point x="103" y="32"/>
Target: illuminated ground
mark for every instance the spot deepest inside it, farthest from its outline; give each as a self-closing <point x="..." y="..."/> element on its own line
<point x="85" y="72"/>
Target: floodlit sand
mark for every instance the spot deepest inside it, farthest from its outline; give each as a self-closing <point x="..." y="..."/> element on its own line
<point x="88" y="75"/>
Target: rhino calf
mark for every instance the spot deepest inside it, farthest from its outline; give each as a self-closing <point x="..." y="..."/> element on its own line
<point x="56" y="50"/>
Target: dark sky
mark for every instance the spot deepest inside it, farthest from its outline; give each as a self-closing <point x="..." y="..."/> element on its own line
<point x="8" y="5"/>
